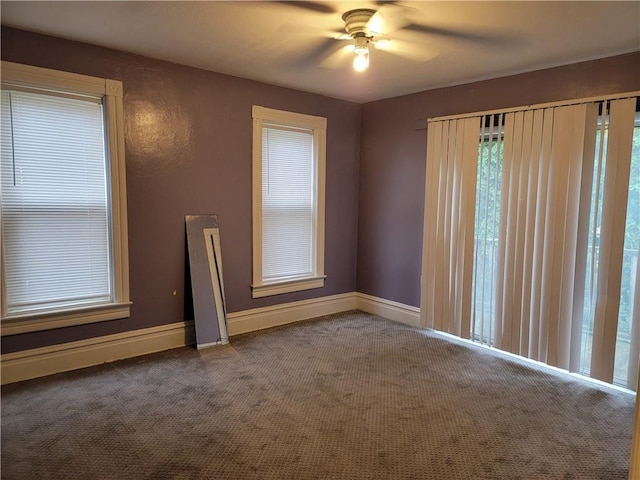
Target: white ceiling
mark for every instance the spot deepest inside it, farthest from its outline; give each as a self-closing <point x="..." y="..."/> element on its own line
<point x="283" y="43"/>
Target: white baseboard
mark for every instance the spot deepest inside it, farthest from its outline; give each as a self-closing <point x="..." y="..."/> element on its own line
<point x="398" y="312"/>
<point x="39" y="362"/>
<point x="267" y="317"/>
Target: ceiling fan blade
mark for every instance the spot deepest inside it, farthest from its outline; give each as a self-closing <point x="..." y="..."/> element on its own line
<point x="317" y="7"/>
<point x="387" y="19"/>
<point x="308" y="31"/>
<point x="337" y="59"/>
<point x="488" y="39"/>
<point x="318" y="54"/>
<point x="416" y="52"/>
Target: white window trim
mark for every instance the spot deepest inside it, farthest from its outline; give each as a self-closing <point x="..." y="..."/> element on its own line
<point x="262" y="115"/>
<point x="110" y="91"/>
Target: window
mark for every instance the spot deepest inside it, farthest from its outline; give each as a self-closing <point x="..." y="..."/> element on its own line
<point x="64" y="230"/>
<point x="288" y="201"/>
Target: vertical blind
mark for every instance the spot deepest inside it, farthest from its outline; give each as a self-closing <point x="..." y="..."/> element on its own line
<point x="55" y="223"/>
<point x="536" y="278"/>
<point x="288" y="206"/>
<point x="524" y="230"/>
<point x="449" y="208"/>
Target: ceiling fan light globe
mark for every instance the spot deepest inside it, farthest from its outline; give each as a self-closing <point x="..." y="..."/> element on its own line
<point x="361" y="60"/>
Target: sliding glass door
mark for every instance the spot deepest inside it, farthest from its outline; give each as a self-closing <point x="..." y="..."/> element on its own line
<point x="538" y="255"/>
<point x="487" y="234"/>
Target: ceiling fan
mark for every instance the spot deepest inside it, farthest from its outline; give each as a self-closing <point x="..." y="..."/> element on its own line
<point x="356" y="24"/>
<point x="367" y="28"/>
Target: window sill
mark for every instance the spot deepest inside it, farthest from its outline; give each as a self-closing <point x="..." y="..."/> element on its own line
<point x="278" y="287"/>
<point x="26" y="323"/>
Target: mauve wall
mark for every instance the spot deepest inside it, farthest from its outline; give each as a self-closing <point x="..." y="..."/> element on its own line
<point x="392" y="164"/>
<point x="188" y="150"/>
<point x="188" y="137"/>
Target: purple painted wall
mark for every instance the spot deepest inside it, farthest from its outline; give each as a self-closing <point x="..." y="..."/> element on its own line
<point x="188" y="135"/>
<point x="188" y="150"/>
<point x="392" y="165"/>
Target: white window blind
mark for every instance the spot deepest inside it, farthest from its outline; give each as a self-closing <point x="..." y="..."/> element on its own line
<point x="288" y="210"/>
<point x="55" y="221"/>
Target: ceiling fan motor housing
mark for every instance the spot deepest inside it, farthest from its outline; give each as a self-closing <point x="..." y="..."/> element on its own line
<point x="356" y="22"/>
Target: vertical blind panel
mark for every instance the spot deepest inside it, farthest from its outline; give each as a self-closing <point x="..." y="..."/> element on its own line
<point x="441" y="273"/>
<point x="506" y="243"/>
<point x="432" y="184"/>
<point x="586" y="165"/>
<point x="288" y="205"/>
<point x="467" y="215"/>
<point x="434" y="276"/>
<point x="532" y="168"/>
<point x="593" y="241"/>
<point x="448" y="235"/>
<point x="55" y="226"/>
<point x="522" y="149"/>
<point x="537" y="330"/>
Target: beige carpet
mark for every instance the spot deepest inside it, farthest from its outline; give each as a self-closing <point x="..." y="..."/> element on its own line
<point x="347" y="396"/>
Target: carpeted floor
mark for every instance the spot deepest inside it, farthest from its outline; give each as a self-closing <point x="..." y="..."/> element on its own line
<point x="347" y="396"/>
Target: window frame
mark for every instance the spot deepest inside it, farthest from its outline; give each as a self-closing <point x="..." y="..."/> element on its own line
<point x="263" y="116"/>
<point x="110" y="92"/>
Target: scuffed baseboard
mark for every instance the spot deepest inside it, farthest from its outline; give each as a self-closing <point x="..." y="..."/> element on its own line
<point x="39" y="362"/>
